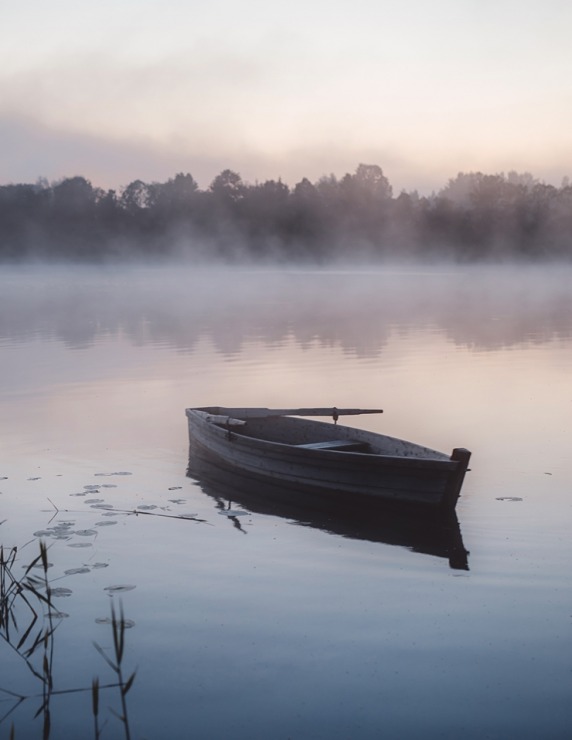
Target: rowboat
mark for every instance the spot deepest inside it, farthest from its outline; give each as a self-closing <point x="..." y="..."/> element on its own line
<point x="283" y="445"/>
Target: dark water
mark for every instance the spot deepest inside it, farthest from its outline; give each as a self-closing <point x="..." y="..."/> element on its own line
<point x="285" y="620"/>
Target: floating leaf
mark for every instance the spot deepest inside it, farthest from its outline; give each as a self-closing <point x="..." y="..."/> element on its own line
<point x="128" y="623"/>
<point x="94" y="501"/>
<point x="100" y="565"/>
<point x="104" y="524"/>
<point x="85" y="532"/>
<point x="118" y="589"/>
<point x="75" y="571"/>
<point x="60" y="591"/>
<point x="80" y="544"/>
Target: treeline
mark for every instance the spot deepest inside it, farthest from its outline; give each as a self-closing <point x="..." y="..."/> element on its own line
<point x="474" y="217"/>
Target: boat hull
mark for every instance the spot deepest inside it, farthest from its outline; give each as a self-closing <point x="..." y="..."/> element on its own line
<point x="411" y="475"/>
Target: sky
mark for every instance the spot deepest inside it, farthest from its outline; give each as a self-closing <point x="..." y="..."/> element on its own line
<point x="121" y="90"/>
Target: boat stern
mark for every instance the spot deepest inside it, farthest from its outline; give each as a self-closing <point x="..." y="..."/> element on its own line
<point x="461" y="457"/>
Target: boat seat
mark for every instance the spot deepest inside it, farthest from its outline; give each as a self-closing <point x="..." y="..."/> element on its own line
<point x="341" y="445"/>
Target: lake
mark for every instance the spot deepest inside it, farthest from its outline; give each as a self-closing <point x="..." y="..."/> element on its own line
<point x="248" y="620"/>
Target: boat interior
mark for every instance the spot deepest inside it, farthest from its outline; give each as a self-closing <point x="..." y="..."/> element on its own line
<point x="321" y="435"/>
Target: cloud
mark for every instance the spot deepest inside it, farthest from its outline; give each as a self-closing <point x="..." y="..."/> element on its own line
<point x="30" y="149"/>
<point x="122" y="91"/>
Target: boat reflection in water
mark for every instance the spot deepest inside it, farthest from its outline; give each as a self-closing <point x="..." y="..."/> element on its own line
<point x="430" y="532"/>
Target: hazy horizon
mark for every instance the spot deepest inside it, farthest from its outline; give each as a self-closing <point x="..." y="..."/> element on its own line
<point x="117" y="92"/>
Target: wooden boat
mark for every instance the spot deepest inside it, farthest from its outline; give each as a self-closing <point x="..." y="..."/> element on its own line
<point x="275" y="444"/>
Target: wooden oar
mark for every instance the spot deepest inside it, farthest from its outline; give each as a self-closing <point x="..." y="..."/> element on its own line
<point x="257" y="413"/>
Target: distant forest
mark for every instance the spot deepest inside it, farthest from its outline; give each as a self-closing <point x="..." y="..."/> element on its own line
<point x="475" y="217"/>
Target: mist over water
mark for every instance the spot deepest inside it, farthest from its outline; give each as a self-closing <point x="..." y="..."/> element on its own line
<point x="483" y="307"/>
<point x="266" y="619"/>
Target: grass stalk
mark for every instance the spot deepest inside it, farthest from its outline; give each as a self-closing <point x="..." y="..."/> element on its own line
<point x="118" y="628"/>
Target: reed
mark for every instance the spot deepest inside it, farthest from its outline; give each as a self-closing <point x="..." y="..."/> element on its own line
<point x="33" y="642"/>
<point x="95" y="707"/>
<point x="118" y="627"/>
<point x="22" y="601"/>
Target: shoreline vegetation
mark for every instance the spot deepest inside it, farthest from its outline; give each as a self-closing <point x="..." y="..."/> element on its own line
<point x="475" y="218"/>
<point x="28" y="624"/>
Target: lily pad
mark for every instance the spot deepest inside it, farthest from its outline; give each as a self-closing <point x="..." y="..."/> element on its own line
<point x="127" y="623"/>
<point x="75" y="571"/>
<point x="61" y="592"/>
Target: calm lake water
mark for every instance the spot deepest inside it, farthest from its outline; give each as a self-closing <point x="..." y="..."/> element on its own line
<point x="253" y="622"/>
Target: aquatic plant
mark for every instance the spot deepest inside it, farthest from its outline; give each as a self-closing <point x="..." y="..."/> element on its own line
<point x="118" y="627"/>
<point x="30" y="593"/>
<point x="22" y="603"/>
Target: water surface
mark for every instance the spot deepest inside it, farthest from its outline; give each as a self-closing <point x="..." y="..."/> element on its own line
<point x="257" y="621"/>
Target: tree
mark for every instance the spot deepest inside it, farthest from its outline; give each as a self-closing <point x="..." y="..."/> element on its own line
<point x="74" y="195"/>
<point x="228" y="187"/>
<point x="370" y="181"/>
<point x="365" y="199"/>
<point x="174" y="196"/>
<point x="135" y="196"/>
